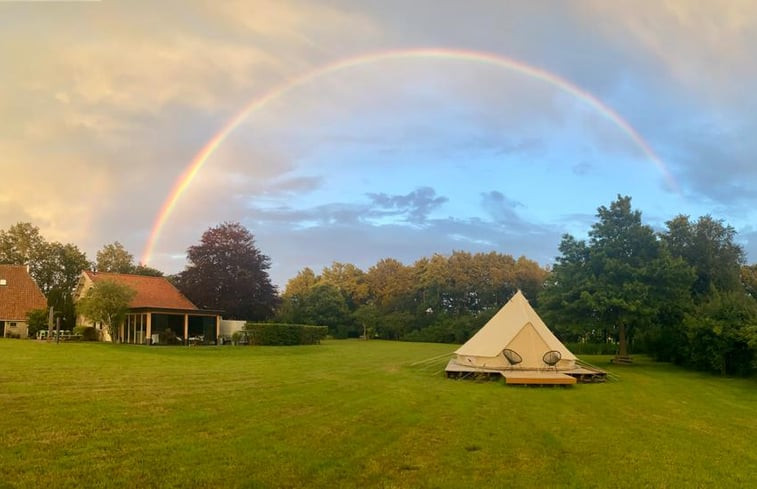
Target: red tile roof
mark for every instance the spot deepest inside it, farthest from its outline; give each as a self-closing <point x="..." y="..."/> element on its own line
<point x="20" y="294"/>
<point x="152" y="292"/>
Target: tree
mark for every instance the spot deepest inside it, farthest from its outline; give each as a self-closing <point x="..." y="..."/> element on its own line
<point x="54" y="266"/>
<point x="226" y="271"/>
<point x="749" y="279"/>
<point x="325" y="305"/>
<point x="21" y="244"/>
<point x="301" y="283"/>
<point x="115" y="259"/>
<point x="721" y="333"/>
<point x="107" y="302"/>
<point x="530" y="278"/>
<point x="620" y="280"/>
<point x="145" y="270"/>
<point x="709" y="246"/>
<point x="349" y="280"/>
<point x="391" y="284"/>
<point x="58" y="276"/>
<point x="36" y="320"/>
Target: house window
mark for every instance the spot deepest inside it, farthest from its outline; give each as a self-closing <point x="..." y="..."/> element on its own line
<point x="12" y="325"/>
<point x="3" y="281"/>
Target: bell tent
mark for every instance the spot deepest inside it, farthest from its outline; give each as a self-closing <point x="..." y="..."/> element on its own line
<point x="515" y="338"/>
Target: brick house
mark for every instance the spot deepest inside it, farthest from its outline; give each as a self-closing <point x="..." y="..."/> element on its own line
<point x="19" y="294"/>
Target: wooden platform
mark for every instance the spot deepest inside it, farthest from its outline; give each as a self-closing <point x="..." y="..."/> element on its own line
<point x="537" y="377"/>
<point x="586" y="374"/>
<point x="582" y="374"/>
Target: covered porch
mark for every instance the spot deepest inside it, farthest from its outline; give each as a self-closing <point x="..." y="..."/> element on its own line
<point x="170" y="327"/>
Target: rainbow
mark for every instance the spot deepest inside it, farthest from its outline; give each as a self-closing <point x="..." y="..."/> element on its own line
<point x="188" y="175"/>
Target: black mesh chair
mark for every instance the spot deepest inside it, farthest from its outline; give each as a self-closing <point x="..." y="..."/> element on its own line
<point x="512" y="357"/>
<point x="551" y="358"/>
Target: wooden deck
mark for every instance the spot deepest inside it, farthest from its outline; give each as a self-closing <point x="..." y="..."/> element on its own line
<point x="577" y="374"/>
<point x="587" y="374"/>
<point x="537" y="377"/>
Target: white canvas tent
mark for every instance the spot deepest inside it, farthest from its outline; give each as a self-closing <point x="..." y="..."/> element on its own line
<point x="516" y="327"/>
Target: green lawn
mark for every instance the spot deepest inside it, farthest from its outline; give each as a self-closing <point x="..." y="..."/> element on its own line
<point x="355" y="414"/>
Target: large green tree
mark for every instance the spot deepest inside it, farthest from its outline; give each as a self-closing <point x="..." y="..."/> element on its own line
<point x="620" y="280"/>
<point x="21" y="244"/>
<point x="227" y="271"/>
<point x="722" y="333"/>
<point x="106" y="302"/>
<point x="709" y="246"/>
<point x="324" y="305"/>
<point x="718" y="333"/>
<point x="349" y="280"/>
<point x="114" y="258"/>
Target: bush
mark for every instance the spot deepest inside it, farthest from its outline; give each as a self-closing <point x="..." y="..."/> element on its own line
<point x="285" y="334"/>
<point x="36" y="319"/>
<point x="240" y="338"/>
<point x="87" y="333"/>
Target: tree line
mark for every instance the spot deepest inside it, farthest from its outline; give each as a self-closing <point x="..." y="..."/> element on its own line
<point x="441" y="298"/>
<point x="684" y="294"/>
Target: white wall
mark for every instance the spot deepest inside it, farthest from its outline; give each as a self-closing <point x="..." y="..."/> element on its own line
<point x="229" y="326"/>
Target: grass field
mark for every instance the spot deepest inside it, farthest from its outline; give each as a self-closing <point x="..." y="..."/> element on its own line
<point x="355" y="414"/>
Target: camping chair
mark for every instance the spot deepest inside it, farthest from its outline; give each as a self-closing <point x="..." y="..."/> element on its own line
<point x="551" y="358"/>
<point x="512" y="357"/>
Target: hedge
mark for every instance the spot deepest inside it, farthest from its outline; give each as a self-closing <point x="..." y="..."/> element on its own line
<point x="285" y="334"/>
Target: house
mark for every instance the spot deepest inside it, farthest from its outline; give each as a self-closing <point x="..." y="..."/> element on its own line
<point x="19" y="294"/>
<point x="158" y="313"/>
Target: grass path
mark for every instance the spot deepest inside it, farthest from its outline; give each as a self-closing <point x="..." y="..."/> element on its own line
<point x="355" y="414"/>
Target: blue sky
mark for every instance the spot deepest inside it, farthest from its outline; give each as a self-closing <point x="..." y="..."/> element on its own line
<point x="106" y="103"/>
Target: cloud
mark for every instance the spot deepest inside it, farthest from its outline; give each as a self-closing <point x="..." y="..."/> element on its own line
<point x="104" y="106"/>
<point x="688" y="39"/>
<point x="363" y="243"/>
<point x="722" y="168"/>
<point x="501" y="209"/>
<point x="416" y="205"/>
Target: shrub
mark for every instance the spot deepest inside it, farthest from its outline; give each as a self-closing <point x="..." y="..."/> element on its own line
<point x="285" y="334"/>
<point x="87" y="333"/>
<point x="36" y="319"/>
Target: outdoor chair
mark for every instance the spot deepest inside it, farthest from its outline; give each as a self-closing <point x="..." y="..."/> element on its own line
<point x="512" y="357"/>
<point x="551" y="358"/>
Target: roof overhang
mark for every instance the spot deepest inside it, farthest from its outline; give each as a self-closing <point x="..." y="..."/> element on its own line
<point x="191" y="312"/>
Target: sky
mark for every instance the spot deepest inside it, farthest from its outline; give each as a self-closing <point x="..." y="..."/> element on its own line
<point x="355" y="130"/>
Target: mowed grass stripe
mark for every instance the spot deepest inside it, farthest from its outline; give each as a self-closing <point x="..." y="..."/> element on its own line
<point x="355" y="414"/>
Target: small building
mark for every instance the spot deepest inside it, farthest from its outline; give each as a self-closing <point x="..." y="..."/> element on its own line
<point x="158" y="313"/>
<point x="19" y="294"/>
